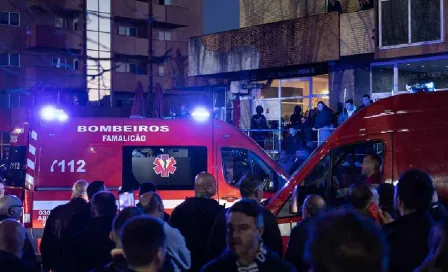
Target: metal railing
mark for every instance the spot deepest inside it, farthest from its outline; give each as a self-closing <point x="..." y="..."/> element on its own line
<point x="272" y="142"/>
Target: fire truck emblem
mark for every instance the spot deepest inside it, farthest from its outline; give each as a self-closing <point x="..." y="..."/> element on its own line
<point x="165" y="165"/>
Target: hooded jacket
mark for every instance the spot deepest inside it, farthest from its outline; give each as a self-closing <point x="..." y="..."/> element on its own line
<point x="194" y="218"/>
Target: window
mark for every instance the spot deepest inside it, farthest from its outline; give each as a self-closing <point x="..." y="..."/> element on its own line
<point x="14" y="19"/>
<point x="165" y="2"/>
<point x="168" y="167"/>
<point x="60" y="22"/>
<point x="16" y="169"/>
<point x="161" y="70"/>
<point x="76" y="64"/>
<point x="10" y="59"/>
<point x="238" y="162"/>
<point x="406" y="22"/>
<point x="164" y="35"/>
<point x="75" y="24"/>
<point x="4" y="146"/>
<point x="127" y="31"/>
<point x="58" y="62"/>
<point x="128" y="68"/>
<point x="347" y="168"/>
<point x="9" y="18"/>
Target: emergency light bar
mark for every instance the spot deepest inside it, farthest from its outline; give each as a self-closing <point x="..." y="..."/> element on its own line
<point x="50" y="113"/>
<point x="200" y="114"/>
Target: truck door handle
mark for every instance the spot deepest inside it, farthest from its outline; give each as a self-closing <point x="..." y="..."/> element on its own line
<point x="229" y="198"/>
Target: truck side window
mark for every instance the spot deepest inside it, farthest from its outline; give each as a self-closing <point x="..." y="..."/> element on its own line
<point x="315" y="183"/>
<point x="168" y="167"/>
<point x="238" y="162"/>
<point x="347" y="168"/>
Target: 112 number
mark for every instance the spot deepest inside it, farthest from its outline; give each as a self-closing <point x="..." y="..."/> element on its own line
<point x="62" y="165"/>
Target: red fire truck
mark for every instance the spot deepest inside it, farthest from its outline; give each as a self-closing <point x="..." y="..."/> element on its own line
<point x="47" y="158"/>
<point x="406" y="131"/>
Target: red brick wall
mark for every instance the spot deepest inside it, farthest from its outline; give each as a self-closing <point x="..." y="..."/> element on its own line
<point x="293" y="42"/>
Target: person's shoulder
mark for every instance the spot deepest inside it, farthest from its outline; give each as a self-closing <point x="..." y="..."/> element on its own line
<point x="218" y="264"/>
<point x="275" y="262"/>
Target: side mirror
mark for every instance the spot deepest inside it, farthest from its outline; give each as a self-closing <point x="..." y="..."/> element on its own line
<point x="294" y="207"/>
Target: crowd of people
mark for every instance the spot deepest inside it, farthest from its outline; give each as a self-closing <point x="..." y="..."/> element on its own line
<point x="383" y="228"/>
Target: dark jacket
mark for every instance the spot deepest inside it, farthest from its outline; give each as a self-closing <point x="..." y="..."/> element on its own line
<point x="272" y="237"/>
<point x="56" y="233"/>
<point x="323" y="118"/>
<point x="80" y="220"/>
<point x="10" y="263"/>
<point x="91" y="248"/>
<point x="267" y="261"/>
<point x="408" y="241"/>
<point x="294" y="143"/>
<point x="296" y="245"/>
<point x="194" y="218"/>
<point x="29" y="256"/>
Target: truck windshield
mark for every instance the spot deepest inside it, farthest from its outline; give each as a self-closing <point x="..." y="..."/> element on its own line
<point x="168" y="167"/>
<point x="15" y="175"/>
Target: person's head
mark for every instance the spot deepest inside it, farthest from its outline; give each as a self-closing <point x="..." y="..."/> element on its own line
<point x="313" y="205"/>
<point x="2" y="188"/>
<point x="103" y="204"/>
<point x="413" y="192"/>
<point x="244" y="227"/>
<point x="143" y="241"/>
<point x="321" y="105"/>
<point x="205" y="185"/>
<point x="95" y="187"/>
<point x="152" y="204"/>
<point x="12" y="237"/>
<point x="251" y="186"/>
<point x="371" y="164"/>
<point x="259" y="109"/>
<point x="349" y="104"/>
<point x="11" y="206"/>
<point x="303" y="120"/>
<point x="145" y="188"/>
<point x="366" y="100"/>
<point x="292" y="131"/>
<point x="343" y="241"/>
<point x="79" y="189"/>
<point x="360" y="195"/>
<point x="124" y="216"/>
<point x="297" y="109"/>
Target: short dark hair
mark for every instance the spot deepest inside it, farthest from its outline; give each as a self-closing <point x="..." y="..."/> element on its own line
<point x="248" y="184"/>
<point x="146" y="187"/>
<point x="344" y="241"/>
<point x="415" y="190"/>
<point x="152" y="205"/>
<point x="250" y="208"/>
<point x="94" y="187"/>
<point x="123" y="217"/>
<point x="321" y="102"/>
<point x="349" y="101"/>
<point x="366" y="96"/>
<point x="142" y="237"/>
<point x="360" y="195"/>
<point x="103" y="203"/>
<point x="376" y="158"/>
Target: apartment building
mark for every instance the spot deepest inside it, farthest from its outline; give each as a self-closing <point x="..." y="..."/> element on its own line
<point x="291" y="52"/>
<point x="55" y="50"/>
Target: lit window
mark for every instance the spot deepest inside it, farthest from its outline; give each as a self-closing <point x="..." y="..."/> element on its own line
<point x="59" y="62"/>
<point x="121" y="67"/>
<point x="161" y="70"/>
<point x="60" y="22"/>
<point x="164" y="35"/>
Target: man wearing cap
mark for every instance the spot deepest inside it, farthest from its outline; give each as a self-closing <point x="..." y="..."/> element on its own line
<point x="11" y="207"/>
<point x="56" y="232"/>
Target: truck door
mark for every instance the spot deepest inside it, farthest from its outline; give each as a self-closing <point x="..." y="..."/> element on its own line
<point x="331" y="178"/>
<point x="236" y="162"/>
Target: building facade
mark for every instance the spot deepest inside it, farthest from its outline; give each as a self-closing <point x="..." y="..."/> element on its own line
<point x="291" y="52"/>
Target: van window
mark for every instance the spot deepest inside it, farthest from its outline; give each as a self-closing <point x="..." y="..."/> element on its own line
<point x="347" y="168"/>
<point x="168" y="167"/>
<point x="16" y="166"/>
<point x="315" y="183"/>
<point x="238" y="162"/>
